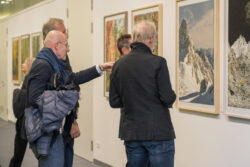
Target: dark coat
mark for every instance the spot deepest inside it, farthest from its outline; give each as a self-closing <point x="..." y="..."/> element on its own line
<point x="140" y="86"/>
<point x="40" y="76"/>
<point x="19" y="104"/>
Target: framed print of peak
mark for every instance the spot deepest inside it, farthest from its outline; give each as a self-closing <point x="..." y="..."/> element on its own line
<point x="197" y="56"/>
<point x="237" y="64"/>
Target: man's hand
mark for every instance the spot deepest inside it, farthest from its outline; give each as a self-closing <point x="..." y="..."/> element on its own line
<point x="74" y="131"/>
<point x="107" y="66"/>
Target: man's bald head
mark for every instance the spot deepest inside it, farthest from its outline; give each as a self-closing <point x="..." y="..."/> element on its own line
<point x="54" y="37"/>
<point x="57" y="41"/>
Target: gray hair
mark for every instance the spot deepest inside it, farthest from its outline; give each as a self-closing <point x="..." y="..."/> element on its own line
<point x="51" y="25"/>
<point x="143" y="31"/>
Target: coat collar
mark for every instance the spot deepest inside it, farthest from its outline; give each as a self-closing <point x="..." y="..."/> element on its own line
<point x="140" y="46"/>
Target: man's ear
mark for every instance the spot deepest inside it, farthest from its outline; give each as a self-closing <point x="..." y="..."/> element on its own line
<point x="123" y="50"/>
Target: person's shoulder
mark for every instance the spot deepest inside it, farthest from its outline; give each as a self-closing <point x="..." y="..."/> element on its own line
<point x="41" y="65"/>
<point x="157" y="58"/>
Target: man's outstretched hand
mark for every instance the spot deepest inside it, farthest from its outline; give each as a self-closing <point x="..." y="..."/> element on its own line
<point x="107" y="66"/>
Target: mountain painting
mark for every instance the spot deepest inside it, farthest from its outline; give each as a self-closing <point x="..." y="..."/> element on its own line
<point x="238" y="67"/>
<point x="196" y="52"/>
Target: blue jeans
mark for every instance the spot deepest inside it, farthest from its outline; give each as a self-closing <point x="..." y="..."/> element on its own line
<point x="155" y="153"/>
<point x="56" y="154"/>
<point x="68" y="153"/>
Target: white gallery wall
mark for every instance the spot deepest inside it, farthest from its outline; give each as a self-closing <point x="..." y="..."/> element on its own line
<point x="3" y="69"/>
<point x="202" y="140"/>
<point x="29" y="21"/>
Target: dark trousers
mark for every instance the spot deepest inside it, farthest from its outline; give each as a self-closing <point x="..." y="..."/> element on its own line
<point x="68" y="153"/>
<point x="153" y="153"/>
<point x="19" y="148"/>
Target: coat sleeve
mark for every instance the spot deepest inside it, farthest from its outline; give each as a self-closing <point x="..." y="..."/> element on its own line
<point x="39" y="77"/>
<point x="84" y="75"/>
<point x="167" y="95"/>
<point x="115" y="100"/>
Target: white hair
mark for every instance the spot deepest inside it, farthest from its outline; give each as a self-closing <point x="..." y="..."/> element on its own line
<point x="143" y="31"/>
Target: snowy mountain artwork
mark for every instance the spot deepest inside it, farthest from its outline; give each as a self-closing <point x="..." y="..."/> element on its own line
<point x="238" y="58"/>
<point x="196" y="52"/>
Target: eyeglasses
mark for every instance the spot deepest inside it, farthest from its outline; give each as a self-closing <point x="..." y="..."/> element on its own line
<point x="65" y="44"/>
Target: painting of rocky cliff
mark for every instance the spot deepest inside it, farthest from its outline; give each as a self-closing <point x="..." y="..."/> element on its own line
<point x="238" y="68"/>
<point x="196" y="52"/>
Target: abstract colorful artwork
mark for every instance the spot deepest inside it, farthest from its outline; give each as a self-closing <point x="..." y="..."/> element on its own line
<point x="16" y="60"/>
<point x="114" y="26"/>
<point x="154" y="14"/>
<point x="25" y="51"/>
<point x="36" y="42"/>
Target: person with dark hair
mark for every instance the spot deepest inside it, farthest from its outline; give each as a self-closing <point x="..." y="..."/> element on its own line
<point x="140" y="85"/>
<point x="123" y="44"/>
<point x="19" y="101"/>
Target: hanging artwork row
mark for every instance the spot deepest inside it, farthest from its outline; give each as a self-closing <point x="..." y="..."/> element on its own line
<point x="197" y="53"/>
<point x="117" y="24"/>
<point x="24" y="46"/>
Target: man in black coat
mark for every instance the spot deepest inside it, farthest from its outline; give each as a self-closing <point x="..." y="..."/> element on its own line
<point x="48" y="73"/>
<point x="140" y="86"/>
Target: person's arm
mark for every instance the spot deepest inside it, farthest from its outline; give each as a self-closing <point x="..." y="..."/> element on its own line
<point x="167" y="95"/>
<point x="39" y="77"/>
<point x="90" y="73"/>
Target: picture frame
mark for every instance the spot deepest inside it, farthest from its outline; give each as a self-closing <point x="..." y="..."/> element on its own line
<point x="151" y="13"/>
<point x="237" y="60"/>
<point x="25" y="51"/>
<point x="16" y="61"/>
<point x="114" y="26"/>
<point x="36" y="43"/>
<point x="197" y="56"/>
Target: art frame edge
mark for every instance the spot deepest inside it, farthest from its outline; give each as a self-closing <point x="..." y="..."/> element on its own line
<point x="216" y="110"/>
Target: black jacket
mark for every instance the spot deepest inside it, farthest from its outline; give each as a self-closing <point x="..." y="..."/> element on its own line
<point x="140" y="86"/>
<point x="40" y="77"/>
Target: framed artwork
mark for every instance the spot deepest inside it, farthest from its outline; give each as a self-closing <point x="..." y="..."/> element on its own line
<point x="197" y="60"/>
<point x="36" y="43"/>
<point x="16" y="70"/>
<point x="237" y="78"/>
<point x="25" y="51"/>
<point x="114" y="26"/>
<point x="151" y="13"/>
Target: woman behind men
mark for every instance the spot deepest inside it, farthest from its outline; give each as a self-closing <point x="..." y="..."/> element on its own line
<point x="18" y="108"/>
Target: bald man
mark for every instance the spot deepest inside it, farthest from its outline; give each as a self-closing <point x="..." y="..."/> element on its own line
<point x="47" y="73"/>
